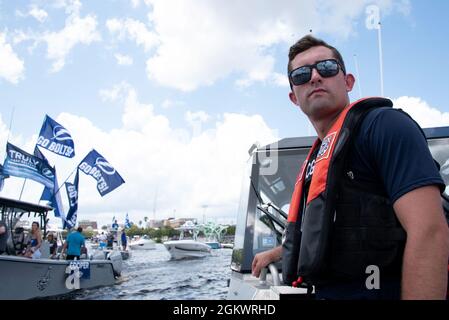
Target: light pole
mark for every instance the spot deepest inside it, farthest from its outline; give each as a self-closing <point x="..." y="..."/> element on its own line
<point x="204" y="206"/>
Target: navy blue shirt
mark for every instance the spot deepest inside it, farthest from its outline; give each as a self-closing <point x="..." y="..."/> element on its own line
<point x="391" y="153"/>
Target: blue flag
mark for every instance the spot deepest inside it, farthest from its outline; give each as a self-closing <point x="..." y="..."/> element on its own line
<point x="37" y="152"/>
<point x="95" y="165"/>
<point x="72" y="194"/>
<point x="2" y="177"/>
<point x="19" y="163"/>
<point x="127" y="224"/>
<point x="53" y="196"/>
<point x="56" y="138"/>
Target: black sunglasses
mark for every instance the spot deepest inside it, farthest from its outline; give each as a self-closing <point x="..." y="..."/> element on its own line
<point x="326" y="68"/>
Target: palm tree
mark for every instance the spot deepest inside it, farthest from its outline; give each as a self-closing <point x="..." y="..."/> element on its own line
<point x="145" y="219"/>
<point x="140" y="223"/>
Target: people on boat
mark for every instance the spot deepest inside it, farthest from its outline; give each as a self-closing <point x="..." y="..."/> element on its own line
<point x="124" y="239"/>
<point x="110" y="240"/>
<point x="73" y="244"/>
<point x="115" y="225"/>
<point x="34" y="242"/>
<point x="3" y="236"/>
<point x="19" y="241"/>
<point x="53" y="245"/>
<point x="102" y="238"/>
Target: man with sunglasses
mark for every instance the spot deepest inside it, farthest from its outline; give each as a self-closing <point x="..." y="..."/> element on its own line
<point x="397" y="184"/>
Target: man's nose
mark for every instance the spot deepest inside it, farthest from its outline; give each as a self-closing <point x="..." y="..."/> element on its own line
<point x="315" y="76"/>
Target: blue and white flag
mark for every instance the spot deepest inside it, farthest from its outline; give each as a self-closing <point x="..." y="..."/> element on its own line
<point x="2" y="177"/>
<point x="19" y="163"/>
<point x="37" y="152"/>
<point x="72" y="194"/>
<point x="95" y="165"/>
<point x="56" y="138"/>
<point x="53" y="196"/>
<point x="127" y="224"/>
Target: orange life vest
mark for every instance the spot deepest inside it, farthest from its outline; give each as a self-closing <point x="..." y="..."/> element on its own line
<point x="333" y="240"/>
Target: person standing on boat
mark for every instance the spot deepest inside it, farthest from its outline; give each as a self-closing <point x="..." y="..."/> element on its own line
<point x="34" y="242"/>
<point x="124" y="239"/>
<point x="3" y="236"/>
<point x="73" y="244"/>
<point x="53" y="245"/>
<point x="366" y="219"/>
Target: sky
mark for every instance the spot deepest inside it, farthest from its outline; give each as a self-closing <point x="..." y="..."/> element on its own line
<point x="174" y="92"/>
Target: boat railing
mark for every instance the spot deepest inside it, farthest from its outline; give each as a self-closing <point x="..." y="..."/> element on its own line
<point x="274" y="275"/>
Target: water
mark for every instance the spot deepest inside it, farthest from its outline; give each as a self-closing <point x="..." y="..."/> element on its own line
<point x="151" y="275"/>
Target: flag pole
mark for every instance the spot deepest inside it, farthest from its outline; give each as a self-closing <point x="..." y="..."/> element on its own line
<point x="7" y="140"/>
<point x="66" y="180"/>
<point x="23" y="187"/>
<point x="379" y="33"/>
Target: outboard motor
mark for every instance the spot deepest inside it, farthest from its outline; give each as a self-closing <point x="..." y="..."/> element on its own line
<point x="116" y="258"/>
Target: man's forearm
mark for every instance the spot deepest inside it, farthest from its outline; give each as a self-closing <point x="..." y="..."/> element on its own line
<point x="276" y="253"/>
<point x="424" y="272"/>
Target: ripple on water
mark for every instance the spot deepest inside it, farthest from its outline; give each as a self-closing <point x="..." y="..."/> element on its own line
<point x="150" y="274"/>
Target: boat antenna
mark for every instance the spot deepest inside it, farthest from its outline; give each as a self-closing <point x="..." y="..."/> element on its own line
<point x="10" y="122"/>
<point x="373" y="22"/>
<point x="154" y="203"/>
<point x="358" y="76"/>
<point x="7" y="140"/>
<point x="379" y="34"/>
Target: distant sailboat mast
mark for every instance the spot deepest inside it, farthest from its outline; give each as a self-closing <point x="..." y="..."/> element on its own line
<point x="154" y="204"/>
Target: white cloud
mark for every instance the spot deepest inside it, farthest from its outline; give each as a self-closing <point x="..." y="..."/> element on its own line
<point x="11" y="66"/>
<point x="280" y="80"/>
<point x="187" y="170"/>
<point x="38" y="14"/>
<point x="135" y="3"/>
<point x="421" y="112"/>
<point x="123" y="60"/>
<point x="168" y="103"/>
<point x="76" y="31"/>
<point x="72" y="7"/>
<point x="117" y="92"/>
<point x="199" y="116"/>
<point x="133" y="30"/>
<point x="205" y="41"/>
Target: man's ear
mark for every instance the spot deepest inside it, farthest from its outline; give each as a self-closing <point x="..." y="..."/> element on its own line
<point x="350" y="80"/>
<point x="292" y="97"/>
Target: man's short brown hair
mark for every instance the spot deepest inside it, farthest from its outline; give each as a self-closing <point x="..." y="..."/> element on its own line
<point x="308" y="42"/>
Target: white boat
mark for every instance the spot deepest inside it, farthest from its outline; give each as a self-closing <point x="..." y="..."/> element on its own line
<point x="143" y="243"/>
<point x="184" y="249"/>
<point x="187" y="248"/>
<point x="25" y="278"/>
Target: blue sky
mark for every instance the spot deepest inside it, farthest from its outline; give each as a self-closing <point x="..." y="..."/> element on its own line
<point x="171" y="85"/>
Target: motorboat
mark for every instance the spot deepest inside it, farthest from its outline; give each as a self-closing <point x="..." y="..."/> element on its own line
<point x="187" y="248"/>
<point x="213" y="244"/>
<point x="25" y="278"/>
<point x="265" y="199"/>
<point x="142" y="243"/>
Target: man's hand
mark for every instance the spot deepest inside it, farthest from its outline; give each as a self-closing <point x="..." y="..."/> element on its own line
<point x="263" y="259"/>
